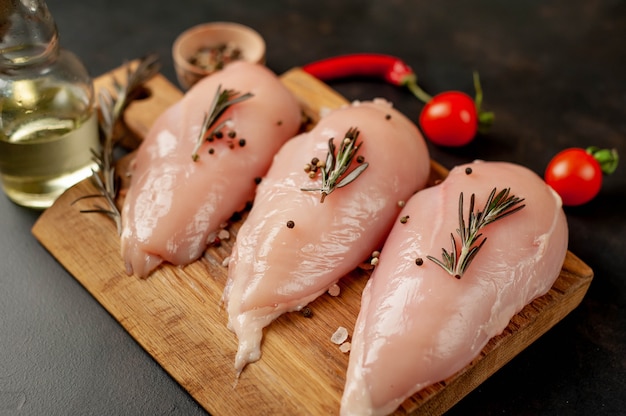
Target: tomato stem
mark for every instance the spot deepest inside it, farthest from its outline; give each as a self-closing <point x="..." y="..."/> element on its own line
<point x="607" y="158"/>
<point x="485" y="118"/>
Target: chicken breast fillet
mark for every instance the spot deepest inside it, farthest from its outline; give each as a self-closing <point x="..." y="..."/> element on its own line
<point x="418" y="324"/>
<point x="173" y="203"/>
<point x="292" y="247"/>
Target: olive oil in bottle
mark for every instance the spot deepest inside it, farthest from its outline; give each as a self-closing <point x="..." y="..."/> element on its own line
<point x="48" y="124"/>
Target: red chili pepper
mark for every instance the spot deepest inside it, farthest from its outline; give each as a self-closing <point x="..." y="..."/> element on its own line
<point x="391" y="69"/>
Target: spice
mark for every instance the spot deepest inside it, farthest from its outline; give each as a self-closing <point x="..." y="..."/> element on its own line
<point x="371" y="65"/>
<point x="214" y="58"/>
<point x="223" y="234"/>
<point x="497" y="206"/>
<point x="345" y="347"/>
<point x="419" y="261"/>
<point x="339" y="336"/>
<point x="111" y="110"/>
<point x="306" y="312"/>
<point x="468" y="171"/>
<point x="375" y="255"/>
<point x="290" y="224"/>
<point x="221" y="101"/>
<point x="404" y="219"/>
<point x="242" y="142"/>
<point x="334" y="169"/>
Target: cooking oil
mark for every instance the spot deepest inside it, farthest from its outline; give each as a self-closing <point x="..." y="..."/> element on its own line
<point x="43" y="157"/>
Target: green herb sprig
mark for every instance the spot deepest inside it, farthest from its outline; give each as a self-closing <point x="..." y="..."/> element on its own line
<point x="111" y="108"/>
<point x="497" y="207"/>
<point x="221" y="101"/>
<point x="337" y="164"/>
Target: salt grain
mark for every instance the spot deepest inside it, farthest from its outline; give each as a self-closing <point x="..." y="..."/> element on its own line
<point x="334" y="290"/>
<point x="223" y="234"/>
<point x="226" y="261"/>
<point x="345" y="347"/>
<point x="340" y="335"/>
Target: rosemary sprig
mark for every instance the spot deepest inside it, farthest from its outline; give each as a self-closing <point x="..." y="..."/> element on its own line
<point x="111" y="109"/>
<point x="336" y="165"/>
<point x="221" y="101"/>
<point x="497" y="206"/>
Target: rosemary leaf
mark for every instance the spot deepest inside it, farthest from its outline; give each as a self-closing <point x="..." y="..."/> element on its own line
<point x="111" y="108"/>
<point x="221" y="101"/>
<point x="334" y="171"/>
<point x="352" y="175"/>
<point x="498" y="206"/>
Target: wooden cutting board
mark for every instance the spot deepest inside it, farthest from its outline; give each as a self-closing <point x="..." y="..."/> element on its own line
<point x="177" y="318"/>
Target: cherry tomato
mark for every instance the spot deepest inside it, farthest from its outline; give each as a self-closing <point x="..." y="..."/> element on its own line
<point x="575" y="175"/>
<point x="450" y="119"/>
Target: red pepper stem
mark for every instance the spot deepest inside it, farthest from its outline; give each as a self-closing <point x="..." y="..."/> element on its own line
<point x="410" y="81"/>
<point x="607" y="158"/>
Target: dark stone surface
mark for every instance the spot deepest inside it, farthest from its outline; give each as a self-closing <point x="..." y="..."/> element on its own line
<point x="553" y="72"/>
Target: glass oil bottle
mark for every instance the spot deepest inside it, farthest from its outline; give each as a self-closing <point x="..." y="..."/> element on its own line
<point x="48" y="122"/>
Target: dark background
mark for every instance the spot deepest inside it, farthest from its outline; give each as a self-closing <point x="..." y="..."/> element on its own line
<point x="554" y="73"/>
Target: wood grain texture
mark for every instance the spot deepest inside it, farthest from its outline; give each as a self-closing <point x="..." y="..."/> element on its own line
<point x="177" y="317"/>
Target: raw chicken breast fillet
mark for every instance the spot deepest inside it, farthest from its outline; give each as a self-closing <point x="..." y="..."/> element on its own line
<point x="174" y="204"/>
<point x="418" y="324"/>
<point x="276" y="269"/>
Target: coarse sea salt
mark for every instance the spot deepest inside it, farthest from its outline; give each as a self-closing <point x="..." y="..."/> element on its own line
<point x="345" y="347"/>
<point x="223" y="234"/>
<point x="334" y="290"/>
<point x="340" y="336"/>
